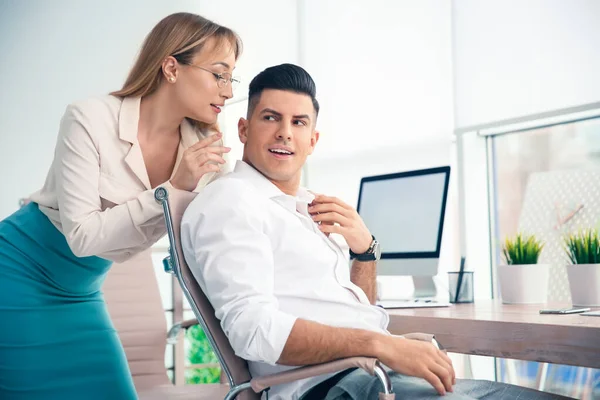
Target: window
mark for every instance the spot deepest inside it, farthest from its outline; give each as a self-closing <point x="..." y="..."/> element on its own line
<point x="537" y="175"/>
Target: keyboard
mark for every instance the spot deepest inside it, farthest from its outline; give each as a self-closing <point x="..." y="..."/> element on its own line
<point x="412" y="303"/>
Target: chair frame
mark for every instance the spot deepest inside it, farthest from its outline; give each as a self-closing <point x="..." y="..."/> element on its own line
<point x="172" y="265"/>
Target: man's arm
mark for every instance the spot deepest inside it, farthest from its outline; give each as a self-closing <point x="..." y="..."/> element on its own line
<point x="313" y="343"/>
<point x="222" y="235"/>
<point x="232" y="259"/>
<point x="363" y="274"/>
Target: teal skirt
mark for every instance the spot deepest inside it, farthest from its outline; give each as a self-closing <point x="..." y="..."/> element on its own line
<point x="56" y="338"/>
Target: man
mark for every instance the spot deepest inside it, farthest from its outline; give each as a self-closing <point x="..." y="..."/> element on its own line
<point x="260" y="247"/>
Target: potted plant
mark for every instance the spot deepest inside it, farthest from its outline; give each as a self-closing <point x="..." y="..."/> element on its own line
<point x="583" y="249"/>
<point x="522" y="280"/>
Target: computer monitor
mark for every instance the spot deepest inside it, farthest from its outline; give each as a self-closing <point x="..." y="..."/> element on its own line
<point x="405" y="212"/>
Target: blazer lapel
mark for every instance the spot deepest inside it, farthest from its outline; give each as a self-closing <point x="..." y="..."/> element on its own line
<point x="129" y="116"/>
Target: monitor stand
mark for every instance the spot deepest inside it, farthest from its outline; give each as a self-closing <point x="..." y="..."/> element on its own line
<point x="424" y="287"/>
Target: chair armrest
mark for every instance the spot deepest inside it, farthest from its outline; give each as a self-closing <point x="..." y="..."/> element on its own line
<point x="370" y="365"/>
<point x="188" y="323"/>
<point x="178" y="327"/>
<point x="424" y="337"/>
<point x="264" y="382"/>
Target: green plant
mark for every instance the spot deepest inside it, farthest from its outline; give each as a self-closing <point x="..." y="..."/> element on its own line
<point x="584" y="247"/>
<point x="522" y="249"/>
<point x="200" y="352"/>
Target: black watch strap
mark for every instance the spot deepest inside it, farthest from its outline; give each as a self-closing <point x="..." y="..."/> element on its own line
<point x="368" y="255"/>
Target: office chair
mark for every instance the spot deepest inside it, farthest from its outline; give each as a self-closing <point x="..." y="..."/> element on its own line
<point x="136" y="310"/>
<point x="241" y="385"/>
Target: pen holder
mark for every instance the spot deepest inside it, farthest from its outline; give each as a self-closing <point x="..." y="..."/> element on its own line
<point x="466" y="287"/>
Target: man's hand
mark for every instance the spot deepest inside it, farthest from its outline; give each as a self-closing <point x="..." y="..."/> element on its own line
<point x="335" y="216"/>
<point x="420" y="359"/>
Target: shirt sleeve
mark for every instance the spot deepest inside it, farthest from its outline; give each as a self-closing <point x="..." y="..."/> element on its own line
<point x="136" y="224"/>
<point x="231" y="256"/>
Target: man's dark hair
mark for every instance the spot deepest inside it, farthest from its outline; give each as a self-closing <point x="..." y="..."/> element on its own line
<point x="288" y="77"/>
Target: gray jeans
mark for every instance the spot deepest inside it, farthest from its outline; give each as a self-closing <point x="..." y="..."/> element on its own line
<point x="359" y="385"/>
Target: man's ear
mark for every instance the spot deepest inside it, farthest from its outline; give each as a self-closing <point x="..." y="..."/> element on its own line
<point x="314" y="138"/>
<point x="243" y="130"/>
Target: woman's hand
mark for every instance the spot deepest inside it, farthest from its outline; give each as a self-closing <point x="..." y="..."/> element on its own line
<point x="197" y="160"/>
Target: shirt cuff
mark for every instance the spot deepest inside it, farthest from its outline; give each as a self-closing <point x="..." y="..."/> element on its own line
<point x="281" y="327"/>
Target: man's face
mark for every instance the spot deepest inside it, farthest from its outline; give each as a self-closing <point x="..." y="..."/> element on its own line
<point x="279" y="135"/>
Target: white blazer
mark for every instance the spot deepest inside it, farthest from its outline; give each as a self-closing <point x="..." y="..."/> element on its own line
<point x="97" y="192"/>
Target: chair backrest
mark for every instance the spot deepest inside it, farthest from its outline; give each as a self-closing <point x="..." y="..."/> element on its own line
<point x="174" y="203"/>
<point x="133" y="300"/>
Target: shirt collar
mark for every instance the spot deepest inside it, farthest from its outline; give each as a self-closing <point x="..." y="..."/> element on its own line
<point x="269" y="190"/>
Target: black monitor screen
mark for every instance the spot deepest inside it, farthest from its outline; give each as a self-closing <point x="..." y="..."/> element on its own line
<point x="405" y="211"/>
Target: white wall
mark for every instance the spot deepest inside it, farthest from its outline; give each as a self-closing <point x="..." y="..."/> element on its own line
<point x="56" y="52"/>
<point x="515" y="58"/>
<point x="383" y="71"/>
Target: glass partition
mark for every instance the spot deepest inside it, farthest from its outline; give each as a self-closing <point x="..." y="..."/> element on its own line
<point x="534" y="162"/>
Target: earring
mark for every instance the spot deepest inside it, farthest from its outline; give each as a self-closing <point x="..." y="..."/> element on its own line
<point x="171" y="79"/>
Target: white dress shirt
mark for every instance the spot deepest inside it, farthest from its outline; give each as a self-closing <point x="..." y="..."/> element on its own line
<point x="97" y="192"/>
<point x="263" y="263"/>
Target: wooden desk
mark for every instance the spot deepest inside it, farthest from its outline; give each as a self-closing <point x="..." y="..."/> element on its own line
<point x="490" y="328"/>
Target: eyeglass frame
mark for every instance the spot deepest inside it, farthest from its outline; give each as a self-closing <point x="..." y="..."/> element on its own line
<point x="234" y="80"/>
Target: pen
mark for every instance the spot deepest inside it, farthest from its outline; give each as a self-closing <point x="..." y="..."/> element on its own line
<point x="461" y="272"/>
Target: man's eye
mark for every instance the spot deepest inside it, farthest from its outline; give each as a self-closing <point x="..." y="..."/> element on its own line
<point x="299" y="122"/>
<point x="269" y="118"/>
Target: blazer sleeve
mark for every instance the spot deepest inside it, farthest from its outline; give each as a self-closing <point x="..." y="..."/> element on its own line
<point x="116" y="233"/>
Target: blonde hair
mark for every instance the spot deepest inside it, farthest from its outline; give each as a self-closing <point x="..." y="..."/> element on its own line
<point x="181" y="35"/>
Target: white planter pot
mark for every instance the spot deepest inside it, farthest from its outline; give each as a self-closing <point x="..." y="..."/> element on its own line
<point x="584" y="282"/>
<point x="524" y="284"/>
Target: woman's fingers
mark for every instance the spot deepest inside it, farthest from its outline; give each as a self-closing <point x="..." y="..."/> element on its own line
<point x="206" y="142"/>
<point x="203" y="158"/>
<point x="197" y="160"/>
<point x="212" y="149"/>
<point x="206" y="168"/>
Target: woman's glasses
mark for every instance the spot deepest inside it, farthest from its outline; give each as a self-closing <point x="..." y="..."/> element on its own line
<point x="223" y="79"/>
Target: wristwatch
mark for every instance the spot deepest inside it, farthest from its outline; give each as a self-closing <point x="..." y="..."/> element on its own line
<point x="373" y="253"/>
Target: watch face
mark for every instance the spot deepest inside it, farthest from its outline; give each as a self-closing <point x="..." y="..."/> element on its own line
<point x="377" y="250"/>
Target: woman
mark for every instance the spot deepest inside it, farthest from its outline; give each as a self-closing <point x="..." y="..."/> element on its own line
<point x="97" y="206"/>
